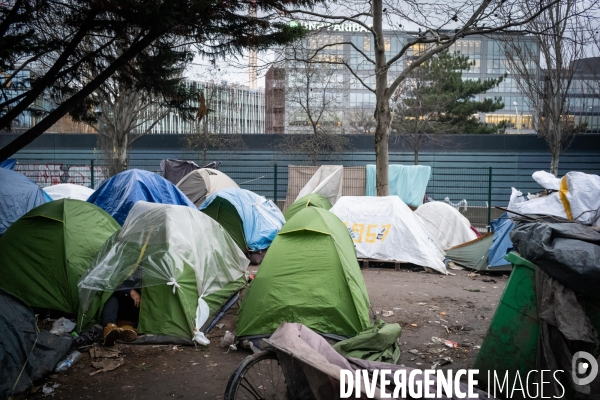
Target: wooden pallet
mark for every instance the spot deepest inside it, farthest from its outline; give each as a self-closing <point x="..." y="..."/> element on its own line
<point x="365" y="262"/>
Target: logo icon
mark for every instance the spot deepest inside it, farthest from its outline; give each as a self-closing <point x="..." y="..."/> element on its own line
<point x="583" y="363"/>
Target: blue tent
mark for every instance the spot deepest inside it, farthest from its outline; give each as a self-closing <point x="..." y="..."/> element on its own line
<point x="9" y="163"/>
<point x="502" y="244"/>
<point x="261" y="218"/>
<point x="18" y="195"/>
<point x="118" y="194"/>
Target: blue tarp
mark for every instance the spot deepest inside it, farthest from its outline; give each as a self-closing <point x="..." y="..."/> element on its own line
<point x="117" y="195"/>
<point x="502" y="244"/>
<point x="9" y="163"/>
<point x="260" y="217"/>
<point x="408" y="182"/>
<point x="18" y="195"/>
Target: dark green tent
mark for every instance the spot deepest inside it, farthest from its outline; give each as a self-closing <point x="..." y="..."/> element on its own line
<point x="310" y="200"/>
<point x="310" y="275"/>
<point x="222" y="211"/>
<point x="45" y="252"/>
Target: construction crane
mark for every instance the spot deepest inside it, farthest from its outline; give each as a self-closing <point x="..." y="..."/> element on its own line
<point x="252" y="61"/>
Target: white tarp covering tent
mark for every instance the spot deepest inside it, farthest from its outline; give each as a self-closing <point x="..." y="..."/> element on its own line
<point x="201" y="183"/>
<point x="577" y="198"/>
<point x="385" y="228"/>
<point x="446" y="223"/>
<point x="68" y="191"/>
<point x="327" y="182"/>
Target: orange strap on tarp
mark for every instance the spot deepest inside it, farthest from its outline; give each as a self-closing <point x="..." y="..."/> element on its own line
<point x="564" y="189"/>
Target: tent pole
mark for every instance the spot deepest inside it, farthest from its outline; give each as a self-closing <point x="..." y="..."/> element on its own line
<point x="489" y="208"/>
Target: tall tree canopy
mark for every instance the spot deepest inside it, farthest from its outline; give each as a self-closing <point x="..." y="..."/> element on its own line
<point x="435" y="99"/>
<point x="63" y="42"/>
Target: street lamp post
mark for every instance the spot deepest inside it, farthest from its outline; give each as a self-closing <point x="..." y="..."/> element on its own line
<point x="517" y="116"/>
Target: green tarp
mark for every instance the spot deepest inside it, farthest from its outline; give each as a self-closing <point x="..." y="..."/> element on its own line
<point x="309" y="275"/>
<point x="379" y="342"/>
<point x="310" y="200"/>
<point x="225" y="214"/>
<point x="474" y="254"/>
<point x="189" y="268"/>
<point x="45" y="252"/>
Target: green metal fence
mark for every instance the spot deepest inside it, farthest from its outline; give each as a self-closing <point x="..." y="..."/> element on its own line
<point x="467" y="189"/>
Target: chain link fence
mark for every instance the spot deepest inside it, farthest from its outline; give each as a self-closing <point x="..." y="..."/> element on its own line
<point x="467" y="189"/>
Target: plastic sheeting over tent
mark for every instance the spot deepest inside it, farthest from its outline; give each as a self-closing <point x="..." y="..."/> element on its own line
<point x="26" y="353"/>
<point x="18" y="195"/>
<point x="384" y="228"/>
<point x="44" y="253"/>
<point x="311" y="200"/>
<point x="68" y="191"/>
<point x="408" y="182"/>
<point x="577" y="199"/>
<point x="446" y="223"/>
<point x="309" y="275"/>
<point x="327" y="181"/>
<point x="201" y="183"/>
<point x="502" y="244"/>
<point x="117" y="195"/>
<point x="189" y="266"/>
<point x="260" y="218"/>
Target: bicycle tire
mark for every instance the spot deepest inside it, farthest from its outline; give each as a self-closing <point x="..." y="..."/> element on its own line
<point x="242" y="386"/>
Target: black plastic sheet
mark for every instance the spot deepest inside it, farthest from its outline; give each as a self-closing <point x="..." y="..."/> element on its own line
<point x="567" y="251"/>
<point x="26" y="355"/>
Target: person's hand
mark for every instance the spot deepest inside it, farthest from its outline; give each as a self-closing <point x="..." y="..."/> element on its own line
<point x="135" y="296"/>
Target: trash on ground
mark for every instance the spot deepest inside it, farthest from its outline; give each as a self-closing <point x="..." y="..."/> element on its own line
<point x="48" y="390"/>
<point x="228" y="339"/>
<point x="451" y="343"/>
<point x="385" y="313"/>
<point x="436" y="350"/>
<point x="68" y="362"/>
<point x="220" y="326"/>
<point x="413" y="325"/>
<point x="107" y="365"/>
<point x="62" y="326"/>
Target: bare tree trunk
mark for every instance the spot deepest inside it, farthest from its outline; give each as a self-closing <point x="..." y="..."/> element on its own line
<point x="382" y="110"/>
<point x="416" y="156"/>
<point x="554" y="162"/>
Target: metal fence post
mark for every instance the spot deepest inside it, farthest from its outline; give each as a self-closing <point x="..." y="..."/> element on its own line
<point x="489" y="216"/>
<point x="275" y="183"/>
<point x="92" y="172"/>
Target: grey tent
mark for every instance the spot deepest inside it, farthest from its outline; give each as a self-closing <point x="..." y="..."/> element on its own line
<point x="201" y="183"/>
<point x="174" y="170"/>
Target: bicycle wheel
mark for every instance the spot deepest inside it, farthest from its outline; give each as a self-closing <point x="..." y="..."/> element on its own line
<point x="258" y="377"/>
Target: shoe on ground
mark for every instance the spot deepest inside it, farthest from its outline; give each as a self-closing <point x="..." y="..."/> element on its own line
<point x="111" y="333"/>
<point x="128" y="333"/>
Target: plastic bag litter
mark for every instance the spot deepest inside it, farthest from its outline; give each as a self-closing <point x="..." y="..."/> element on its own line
<point x="62" y="326"/>
<point x="228" y="339"/>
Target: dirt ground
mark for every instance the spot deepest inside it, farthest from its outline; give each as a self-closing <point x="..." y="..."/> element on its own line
<point x="457" y="307"/>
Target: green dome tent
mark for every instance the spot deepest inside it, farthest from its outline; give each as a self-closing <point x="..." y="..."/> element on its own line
<point x="189" y="266"/>
<point x="309" y="275"/>
<point x="45" y="252"/>
<point x="310" y="200"/>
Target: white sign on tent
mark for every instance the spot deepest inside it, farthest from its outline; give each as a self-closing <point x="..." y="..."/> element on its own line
<point x="384" y="228"/>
